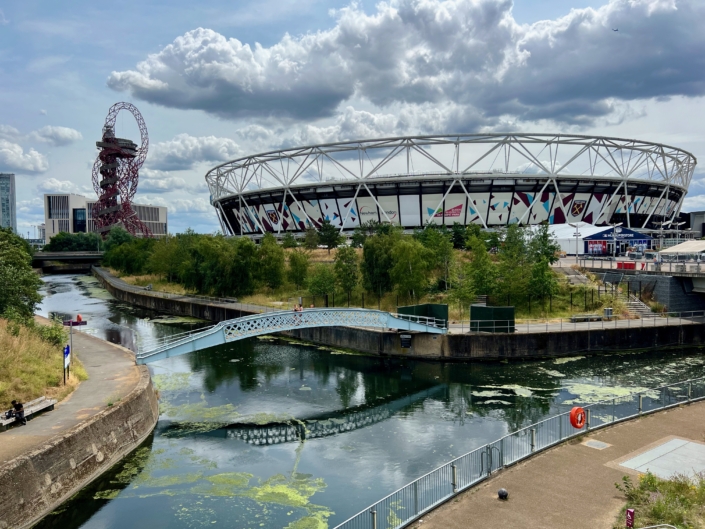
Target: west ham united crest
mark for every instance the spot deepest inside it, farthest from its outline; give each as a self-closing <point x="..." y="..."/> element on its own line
<point x="578" y="207"/>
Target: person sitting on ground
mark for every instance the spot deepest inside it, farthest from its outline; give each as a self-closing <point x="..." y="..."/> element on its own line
<point x="19" y="412"/>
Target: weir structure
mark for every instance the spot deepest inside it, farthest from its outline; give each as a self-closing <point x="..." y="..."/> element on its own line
<point x="268" y="323"/>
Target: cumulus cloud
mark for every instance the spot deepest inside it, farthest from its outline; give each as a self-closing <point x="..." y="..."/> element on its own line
<point x="56" y="136"/>
<point x="469" y="53"/>
<point x="13" y="157"/>
<point x="154" y="181"/>
<point x="54" y="185"/>
<point x="177" y="205"/>
<point x="184" y="151"/>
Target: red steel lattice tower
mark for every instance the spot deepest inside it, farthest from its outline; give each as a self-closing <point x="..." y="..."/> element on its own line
<point x="116" y="175"/>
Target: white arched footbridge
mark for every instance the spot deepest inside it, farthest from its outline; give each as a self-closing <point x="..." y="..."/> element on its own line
<point x="268" y="323"/>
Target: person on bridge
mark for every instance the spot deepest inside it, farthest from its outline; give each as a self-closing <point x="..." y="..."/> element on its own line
<point x="19" y="412"/>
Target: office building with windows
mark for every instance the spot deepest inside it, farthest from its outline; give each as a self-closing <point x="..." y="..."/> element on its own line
<point x="74" y="214"/>
<point x="8" y="204"/>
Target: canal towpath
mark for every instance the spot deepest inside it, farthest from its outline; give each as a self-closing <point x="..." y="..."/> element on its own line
<point x="572" y="484"/>
<point x="112" y="374"/>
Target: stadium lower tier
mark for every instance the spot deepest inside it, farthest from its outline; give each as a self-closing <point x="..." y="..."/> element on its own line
<point x="488" y="202"/>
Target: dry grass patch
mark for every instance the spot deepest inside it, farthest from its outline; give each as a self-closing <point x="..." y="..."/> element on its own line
<point x="152" y="279"/>
<point x="31" y="367"/>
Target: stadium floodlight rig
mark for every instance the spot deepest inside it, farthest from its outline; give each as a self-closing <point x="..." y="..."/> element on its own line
<point x="116" y="175"/>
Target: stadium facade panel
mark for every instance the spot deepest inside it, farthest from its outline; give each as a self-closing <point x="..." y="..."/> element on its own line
<point x="490" y="180"/>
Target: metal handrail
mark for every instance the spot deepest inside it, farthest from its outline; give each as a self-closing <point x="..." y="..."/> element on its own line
<point x="411" y="501"/>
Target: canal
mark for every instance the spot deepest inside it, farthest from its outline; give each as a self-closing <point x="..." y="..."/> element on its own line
<point x="277" y="434"/>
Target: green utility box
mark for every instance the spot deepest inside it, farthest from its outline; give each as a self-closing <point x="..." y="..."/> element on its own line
<point x="491" y="319"/>
<point x="429" y="310"/>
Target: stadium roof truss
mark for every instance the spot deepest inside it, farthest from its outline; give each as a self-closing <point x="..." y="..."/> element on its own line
<point x="554" y="157"/>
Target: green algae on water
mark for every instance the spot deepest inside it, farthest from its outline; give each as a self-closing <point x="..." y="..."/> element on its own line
<point x="172" y="381"/>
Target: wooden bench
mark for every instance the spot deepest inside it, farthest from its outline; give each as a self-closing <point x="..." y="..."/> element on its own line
<point x="31" y="408"/>
<point x="575" y="318"/>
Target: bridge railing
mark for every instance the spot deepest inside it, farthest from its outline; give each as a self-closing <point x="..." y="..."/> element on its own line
<point x="156" y="343"/>
<point x="577" y="322"/>
<point x="422" y="320"/>
<point x="412" y="501"/>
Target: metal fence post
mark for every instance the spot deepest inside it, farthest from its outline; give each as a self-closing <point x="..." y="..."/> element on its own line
<point x="416" y="497"/>
<point x="533" y="439"/>
<point x="374" y="518"/>
<point x="587" y="419"/>
<point x="455" y="477"/>
<point x="641" y="403"/>
<point x="690" y="390"/>
<point x="614" y="411"/>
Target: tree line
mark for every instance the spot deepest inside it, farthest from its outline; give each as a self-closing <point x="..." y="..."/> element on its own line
<point x="458" y="263"/>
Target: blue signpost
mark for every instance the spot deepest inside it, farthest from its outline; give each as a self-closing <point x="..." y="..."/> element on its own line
<point x="67" y="350"/>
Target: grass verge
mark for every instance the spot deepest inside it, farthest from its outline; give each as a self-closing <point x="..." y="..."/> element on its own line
<point x="679" y="501"/>
<point x="31" y="366"/>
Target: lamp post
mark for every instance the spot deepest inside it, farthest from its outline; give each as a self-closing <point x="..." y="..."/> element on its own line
<point x="665" y="223"/>
<point x="614" y="237"/>
<point x="577" y="238"/>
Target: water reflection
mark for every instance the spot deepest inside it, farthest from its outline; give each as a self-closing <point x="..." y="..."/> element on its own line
<point x="270" y="433"/>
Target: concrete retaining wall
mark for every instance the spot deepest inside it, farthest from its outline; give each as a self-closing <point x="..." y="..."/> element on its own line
<point x="504" y="346"/>
<point x="33" y="485"/>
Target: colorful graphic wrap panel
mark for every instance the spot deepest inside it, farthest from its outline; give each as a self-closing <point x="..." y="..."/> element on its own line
<point x="329" y="210"/>
<point x="477" y="207"/>
<point x="521" y="202"/>
<point x="499" y="208"/>
<point x="541" y="208"/>
<point x="431" y="212"/>
<point x="454" y="209"/>
<point x="367" y="209"/>
<point x="592" y="210"/>
<point x="391" y="208"/>
<point x="353" y="219"/>
<point x="313" y="211"/>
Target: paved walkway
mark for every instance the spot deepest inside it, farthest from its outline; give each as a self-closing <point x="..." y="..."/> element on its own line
<point x="571" y="485"/>
<point x="112" y="374"/>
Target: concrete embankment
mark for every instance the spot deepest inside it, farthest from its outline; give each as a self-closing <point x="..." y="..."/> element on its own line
<point x="60" y="452"/>
<point x="476" y="346"/>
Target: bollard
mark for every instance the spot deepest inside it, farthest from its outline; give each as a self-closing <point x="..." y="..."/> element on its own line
<point x="455" y="477"/>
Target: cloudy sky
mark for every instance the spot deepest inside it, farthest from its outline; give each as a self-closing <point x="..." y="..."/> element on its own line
<point x="216" y="80"/>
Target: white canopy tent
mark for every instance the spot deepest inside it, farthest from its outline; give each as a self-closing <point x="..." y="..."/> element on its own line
<point x="687" y="247"/>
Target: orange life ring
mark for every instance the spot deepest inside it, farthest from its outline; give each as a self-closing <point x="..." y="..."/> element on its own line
<point x="577" y="417"/>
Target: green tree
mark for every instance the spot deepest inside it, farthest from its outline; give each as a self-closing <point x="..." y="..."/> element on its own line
<point x="513" y="256"/>
<point x="459" y="235"/>
<point x="19" y="284"/>
<point x="298" y="267"/>
<point x="347" y="269"/>
<point x="542" y="282"/>
<point x="167" y="258"/>
<point x="410" y="269"/>
<point x="311" y="239"/>
<point x="116" y="237"/>
<point x="439" y="241"/>
<point x="321" y="280"/>
<point x="463" y="291"/>
<point x="288" y="241"/>
<point x="74" y="242"/>
<point x="377" y="261"/>
<point x="543" y="245"/>
<point x="329" y="235"/>
<point x="271" y="262"/>
<point x="481" y="271"/>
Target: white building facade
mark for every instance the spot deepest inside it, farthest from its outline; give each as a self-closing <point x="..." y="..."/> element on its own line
<point x="74" y="214"/>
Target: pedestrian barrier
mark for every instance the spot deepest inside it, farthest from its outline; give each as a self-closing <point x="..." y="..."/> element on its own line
<point x="430" y="490"/>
